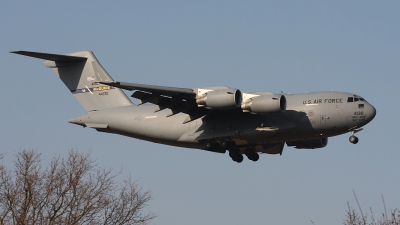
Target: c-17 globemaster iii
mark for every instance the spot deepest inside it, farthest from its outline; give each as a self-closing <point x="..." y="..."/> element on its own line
<point x="216" y="119"/>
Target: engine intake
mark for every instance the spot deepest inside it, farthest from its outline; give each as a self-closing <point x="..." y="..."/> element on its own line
<point x="221" y="99"/>
<point x="265" y="104"/>
<point x="309" y="144"/>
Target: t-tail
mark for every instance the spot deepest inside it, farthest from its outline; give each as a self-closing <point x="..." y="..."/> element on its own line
<point x="81" y="72"/>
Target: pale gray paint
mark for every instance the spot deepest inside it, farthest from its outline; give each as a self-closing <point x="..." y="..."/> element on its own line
<point x="308" y="116"/>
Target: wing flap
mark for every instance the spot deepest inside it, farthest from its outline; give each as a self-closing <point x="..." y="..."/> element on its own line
<point x="152" y="98"/>
<point x="178" y="100"/>
<point x="175" y="105"/>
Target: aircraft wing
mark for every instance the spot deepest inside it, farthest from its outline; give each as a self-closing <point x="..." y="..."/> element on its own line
<point x="168" y="91"/>
<point x="198" y="102"/>
<point x="179" y="100"/>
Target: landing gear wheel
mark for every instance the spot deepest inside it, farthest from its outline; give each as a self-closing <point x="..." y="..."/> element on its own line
<point x="236" y="156"/>
<point x="239" y="158"/>
<point x="212" y="146"/>
<point x="353" y="139"/>
<point x="228" y="144"/>
<point x="255" y="157"/>
<point x="208" y="145"/>
<point x="252" y="155"/>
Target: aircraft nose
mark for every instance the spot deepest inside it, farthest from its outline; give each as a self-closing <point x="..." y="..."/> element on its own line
<point x="371" y="112"/>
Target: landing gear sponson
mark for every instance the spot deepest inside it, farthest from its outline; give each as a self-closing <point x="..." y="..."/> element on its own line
<point x="234" y="152"/>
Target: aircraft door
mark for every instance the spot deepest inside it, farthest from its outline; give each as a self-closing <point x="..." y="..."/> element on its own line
<point x="324" y="118"/>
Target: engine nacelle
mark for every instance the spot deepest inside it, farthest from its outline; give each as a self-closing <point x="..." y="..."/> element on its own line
<point x="309" y="144"/>
<point x="221" y="99"/>
<point x="265" y="104"/>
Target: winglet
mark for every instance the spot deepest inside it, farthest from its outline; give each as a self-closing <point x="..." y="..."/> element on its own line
<point x="51" y="57"/>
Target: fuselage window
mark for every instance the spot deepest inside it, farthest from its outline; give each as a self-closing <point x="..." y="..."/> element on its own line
<point x="360" y="106"/>
<point x="350" y="99"/>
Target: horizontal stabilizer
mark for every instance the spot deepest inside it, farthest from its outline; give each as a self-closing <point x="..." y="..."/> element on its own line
<point x="51" y="57"/>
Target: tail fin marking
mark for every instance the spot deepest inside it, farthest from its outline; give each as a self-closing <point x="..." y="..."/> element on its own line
<point x="81" y="72"/>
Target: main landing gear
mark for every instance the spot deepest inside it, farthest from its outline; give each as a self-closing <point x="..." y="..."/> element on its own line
<point x="234" y="152"/>
<point x="353" y="139"/>
<point x="212" y="146"/>
<point x="251" y="154"/>
<point x="237" y="156"/>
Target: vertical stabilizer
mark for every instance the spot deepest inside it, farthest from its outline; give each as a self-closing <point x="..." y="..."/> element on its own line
<point x="81" y="72"/>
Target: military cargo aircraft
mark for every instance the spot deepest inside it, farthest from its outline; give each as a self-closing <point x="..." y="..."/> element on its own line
<point x="216" y="119"/>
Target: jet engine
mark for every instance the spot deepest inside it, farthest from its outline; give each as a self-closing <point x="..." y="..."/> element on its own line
<point x="221" y="99"/>
<point x="309" y="144"/>
<point x="265" y="104"/>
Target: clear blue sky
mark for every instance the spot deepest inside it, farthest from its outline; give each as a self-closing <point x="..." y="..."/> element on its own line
<point x="290" y="46"/>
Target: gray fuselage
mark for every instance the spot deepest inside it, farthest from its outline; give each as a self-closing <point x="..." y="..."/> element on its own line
<point x="307" y="116"/>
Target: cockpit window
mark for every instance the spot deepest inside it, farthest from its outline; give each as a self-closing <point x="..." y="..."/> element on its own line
<point x="363" y="100"/>
<point x="356" y="99"/>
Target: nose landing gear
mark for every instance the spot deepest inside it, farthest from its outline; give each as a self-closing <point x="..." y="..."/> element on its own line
<point x="353" y="139"/>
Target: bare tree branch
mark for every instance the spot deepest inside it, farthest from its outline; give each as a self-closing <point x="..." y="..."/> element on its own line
<point x="71" y="190"/>
<point x="355" y="219"/>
